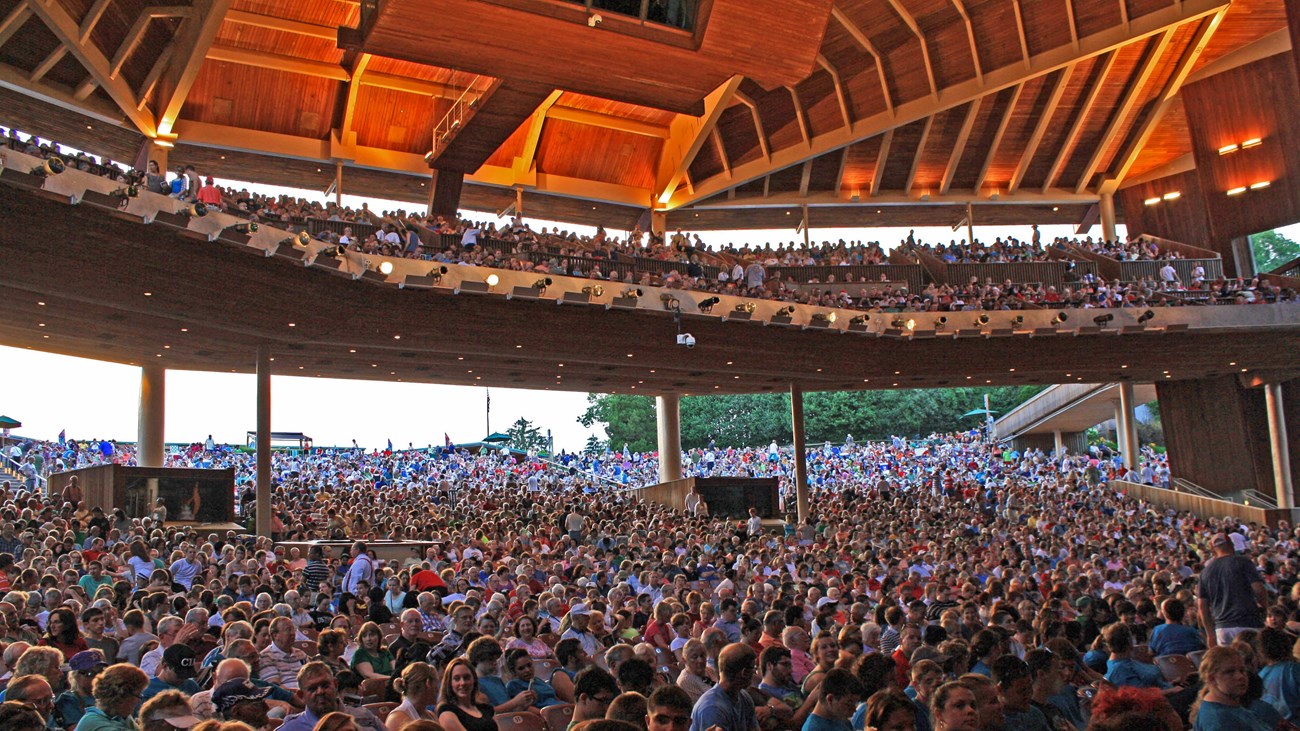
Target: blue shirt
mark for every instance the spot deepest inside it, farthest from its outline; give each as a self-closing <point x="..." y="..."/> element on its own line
<point x="495" y="690"/>
<point x="1282" y="688"/>
<point x="545" y="693"/>
<point x="1218" y="717"/>
<point x="158" y="685"/>
<point x="1175" y="639"/>
<point x="718" y="708"/>
<point x="306" y="721"/>
<point x="821" y="723"/>
<point x="1134" y="673"/>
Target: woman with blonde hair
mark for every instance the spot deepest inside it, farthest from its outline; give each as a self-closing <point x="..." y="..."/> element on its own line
<point x="336" y="721"/>
<point x="1219" y="704"/>
<point x="117" y="692"/>
<point x="418" y="687"/>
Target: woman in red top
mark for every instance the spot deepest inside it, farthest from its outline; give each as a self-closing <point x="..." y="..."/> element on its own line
<point x="61" y="633"/>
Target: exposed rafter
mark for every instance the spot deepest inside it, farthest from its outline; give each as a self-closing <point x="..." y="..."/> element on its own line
<point x="721" y="150"/>
<point x="1127" y="156"/>
<point x="193" y="39"/>
<point x="68" y="31"/>
<point x="1040" y="129"/>
<point x="1020" y="31"/>
<point x="381" y="80"/>
<point x="995" y="80"/>
<point x="607" y="121"/>
<point x="1279" y="41"/>
<point x="763" y="143"/>
<point x="89" y="22"/>
<point x="839" y="89"/>
<point x="324" y="32"/>
<point x="862" y="39"/>
<point x="839" y="175"/>
<point x="799" y="116"/>
<point x="291" y="64"/>
<point x="135" y="35"/>
<point x="360" y="65"/>
<point x="1074" y="24"/>
<point x="916" y="158"/>
<point x="1076" y="129"/>
<point x="526" y="161"/>
<point x="834" y="199"/>
<point x="686" y="136"/>
<point x="970" y="36"/>
<point x="49" y="63"/>
<point x="963" y="136"/>
<point x="14" y="20"/>
<point x="155" y="74"/>
<point x="1147" y="67"/>
<point x="805" y="177"/>
<point x="878" y="175"/>
<point x="997" y="138"/>
<point x="910" y="22"/>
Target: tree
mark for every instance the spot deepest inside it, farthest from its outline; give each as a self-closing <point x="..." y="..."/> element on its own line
<point x="594" y="445"/>
<point x="1271" y="250"/>
<point x="526" y="437"/>
<point x="627" y="420"/>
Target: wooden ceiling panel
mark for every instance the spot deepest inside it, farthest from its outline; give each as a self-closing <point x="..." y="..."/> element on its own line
<point x="253" y="38"/>
<point x="331" y="13"/>
<point x="825" y="173"/>
<point x="905" y="69"/>
<point x="1139" y="8"/>
<point x="397" y="120"/>
<point x="1245" y="22"/>
<point x="262" y="99"/>
<point x="1085" y="75"/>
<point x="860" y="166"/>
<point x="995" y="34"/>
<point x="870" y="219"/>
<point x="949" y="52"/>
<point x="1170" y="140"/>
<point x="972" y="159"/>
<point x="33" y="42"/>
<point x="927" y="9"/>
<point x="1020" y="125"/>
<point x="579" y="151"/>
<point x="1094" y="126"/>
<point x="736" y="125"/>
<point x="707" y="162"/>
<point x="158" y="34"/>
<point x="938" y="148"/>
<point x="84" y="133"/>
<point x="863" y="90"/>
<point x="1094" y="16"/>
<point x="785" y="180"/>
<point x="941" y="14"/>
<point x="878" y="21"/>
<point x="1046" y="25"/>
<point x="68" y="72"/>
<point x="233" y="165"/>
<point x="617" y="109"/>
<point x="838" y="46"/>
<point x="776" y="107"/>
<point x="512" y="147"/>
<point x="424" y="72"/>
<point x="413" y="189"/>
<point x="901" y="154"/>
<point x="821" y="106"/>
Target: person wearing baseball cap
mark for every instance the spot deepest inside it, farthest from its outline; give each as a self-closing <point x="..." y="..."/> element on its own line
<point x="167" y="711"/>
<point x="82" y="668"/>
<point x="177" y="670"/>
<point x="240" y="700"/>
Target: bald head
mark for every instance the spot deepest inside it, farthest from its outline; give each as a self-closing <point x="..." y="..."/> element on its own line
<point x="736" y="665"/>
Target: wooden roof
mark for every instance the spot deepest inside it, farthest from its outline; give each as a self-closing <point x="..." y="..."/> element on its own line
<point x="852" y="104"/>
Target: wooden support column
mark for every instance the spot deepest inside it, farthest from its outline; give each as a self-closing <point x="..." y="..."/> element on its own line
<point x="668" y="418"/>
<point x="1279" y="446"/>
<point x="1106" y="206"/>
<point x="444" y="198"/>
<point x="800" y="452"/>
<point x="263" y="489"/>
<point x="1127" y="426"/>
<point x="153" y="394"/>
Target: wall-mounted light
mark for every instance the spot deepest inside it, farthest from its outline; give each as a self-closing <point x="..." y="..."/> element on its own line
<point x="706" y="304"/>
<point x="1237" y="191"/>
<point x="1173" y="195"/>
<point x="385" y="268"/>
<point x="595" y="291"/>
<point x="51" y="166"/>
<point x="493" y="280"/>
<point x="670" y="302"/>
<point x="1252" y="142"/>
<point x="1152" y="201"/>
<point x="1226" y="149"/>
<point x="1260" y="185"/>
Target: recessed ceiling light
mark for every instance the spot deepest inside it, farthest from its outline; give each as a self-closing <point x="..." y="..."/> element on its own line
<point x="293" y="324"/>
<point x="148" y="294"/>
<point x="185" y="329"/>
<point x="42" y="304"/>
<point x="352" y="350"/>
<point x="397" y="337"/>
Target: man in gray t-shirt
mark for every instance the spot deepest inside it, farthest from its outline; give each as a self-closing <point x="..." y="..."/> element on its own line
<point x="1230" y="595"/>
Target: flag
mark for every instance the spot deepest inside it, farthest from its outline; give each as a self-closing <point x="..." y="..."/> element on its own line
<point x="447" y="439"/>
<point x="63" y="437"/>
<point x="390" y="445"/>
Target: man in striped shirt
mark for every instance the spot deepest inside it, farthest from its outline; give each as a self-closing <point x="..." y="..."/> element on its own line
<point x="316" y="571"/>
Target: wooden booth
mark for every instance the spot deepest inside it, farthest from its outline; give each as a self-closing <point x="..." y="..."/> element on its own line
<point x="191" y="495"/>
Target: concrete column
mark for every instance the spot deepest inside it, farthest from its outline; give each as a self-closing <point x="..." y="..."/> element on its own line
<point x="153" y="390"/>
<point x="1058" y="444"/>
<point x="1121" y="436"/>
<point x="1107" y="208"/>
<point x="1128" y="426"/>
<point x="263" y="493"/>
<point x="970" y="224"/>
<point x="800" y="452"/>
<point x="668" y="416"/>
<point x="1277" y="443"/>
<point x="659" y="223"/>
<point x="1243" y="257"/>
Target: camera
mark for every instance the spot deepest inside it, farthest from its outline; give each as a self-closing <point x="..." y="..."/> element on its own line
<point x="686" y="339"/>
<point x="595" y="20"/>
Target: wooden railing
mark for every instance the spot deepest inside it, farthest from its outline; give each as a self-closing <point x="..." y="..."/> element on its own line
<point x="1203" y="507"/>
<point x="1130" y="271"/>
<point x="863" y="274"/>
<point x="1187" y="251"/>
<point x="1048" y="273"/>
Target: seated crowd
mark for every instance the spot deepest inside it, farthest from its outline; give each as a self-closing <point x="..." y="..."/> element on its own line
<point x="685" y="262"/>
<point x="946" y="583"/>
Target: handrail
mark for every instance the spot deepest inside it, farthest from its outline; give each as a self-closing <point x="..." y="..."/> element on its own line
<point x="16" y="468"/>
<point x="1184" y="485"/>
<point x="1258" y="499"/>
<point x="455" y="116"/>
<point x="593" y="475"/>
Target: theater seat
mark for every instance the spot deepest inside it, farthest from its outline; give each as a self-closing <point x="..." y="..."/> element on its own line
<point x="558" y="717"/>
<point x="523" y="721"/>
<point x="1175" y="668"/>
<point x="381" y="710"/>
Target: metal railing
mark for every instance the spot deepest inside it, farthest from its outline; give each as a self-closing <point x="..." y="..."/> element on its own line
<point x="457" y="115"/>
<point x="14" y="467"/>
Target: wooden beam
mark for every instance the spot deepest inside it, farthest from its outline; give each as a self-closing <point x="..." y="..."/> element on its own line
<point x="607" y="121"/>
<point x="1040" y="129"/>
<point x="155" y="74"/>
<point x="1020" y="31"/>
<point x="1076" y="129"/>
<point x="1074" y="24"/>
<point x="291" y="64"/>
<point x="763" y="143"/>
<point x="721" y="150"/>
<point x="1156" y="49"/>
<point x="970" y="36"/>
<point x="997" y="138"/>
<point x="193" y="40"/>
<point x="323" y="32"/>
<point x="1279" y="41"/>
<point x="910" y="22"/>
<point x="834" y="199"/>
<point x="839" y="176"/>
<point x="1096" y="44"/>
<point x="525" y="161"/>
<point x="799" y="115"/>
<point x="135" y="35"/>
<point x="686" y="136"/>
<point x="963" y="136"/>
<point x="50" y="62"/>
<point x="14" y="20"/>
<point x="839" y="89"/>
<point x="916" y="159"/>
<point x="1123" y="13"/>
<point x="857" y="34"/>
<point x="58" y="95"/>
<point x="1128" y="155"/>
<point x="381" y="80"/>
<point x="878" y="174"/>
<point x="68" y="31"/>
<point x="805" y="178"/>
<point x="359" y="66"/>
<point x="86" y="88"/>
<point x="92" y="18"/>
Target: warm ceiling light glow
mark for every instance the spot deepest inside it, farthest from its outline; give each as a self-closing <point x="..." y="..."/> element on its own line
<point x="493" y="280"/>
<point x="1252" y="142"/>
<point x="1152" y="201"/>
<point x="1260" y="185"/>
<point x="1228" y="148"/>
<point x="1237" y="191"/>
<point x="293" y="324"/>
<point x="385" y="267"/>
<point x="397" y="337"/>
<point x="1175" y="195"/>
<point x="148" y="294"/>
<point x="164" y="143"/>
<point x="42" y="304"/>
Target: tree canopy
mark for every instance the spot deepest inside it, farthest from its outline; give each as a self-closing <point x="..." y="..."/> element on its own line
<point x="1272" y="250"/>
<point x="752" y="420"/>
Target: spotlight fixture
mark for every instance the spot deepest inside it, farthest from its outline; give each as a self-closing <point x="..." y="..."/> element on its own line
<point x="246" y="228"/>
<point x="783" y="316"/>
<point x="1059" y="318"/>
<point x="50" y="166"/>
<point x="743" y="312"/>
<point x="1146" y="317"/>
<point x="542" y="283"/>
<point x="859" y="323"/>
<point x="940" y="323"/>
<point x="198" y="209"/>
<point x="786" y="311"/>
<point x="492" y="280"/>
<point x="127" y="191"/>
<point x="706" y="304"/>
<point x="632" y="292"/>
<point x="434" y="277"/>
<point x="436" y="273"/>
<point x="594" y="291"/>
<point x="981" y="320"/>
<point x="1101" y="320"/>
<point x="1018" y="320"/>
<point x="821" y="320"/>
<point x="302" y="238"/>
<point x="385" y="268"/>
<point x="747" y="307"/>
<point x="670" y="302"/>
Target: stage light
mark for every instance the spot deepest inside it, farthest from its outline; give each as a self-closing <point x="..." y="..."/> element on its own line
<point x="594" y="291"/>
<point x="542" y="283"/>
<point x="706" y="304"/>
<point x="940" y="323"/>
<point x="632" y="292"/>
<point x="436" y="273"/>
<point x="1146" y="317"/>
<point x="385" y="268"/>
<point x="1060" y="318"/>
<point x="197" y="209"/>
<point x="860" y="320"/>
<point x="492" y="280"/>
<point x="827" y="317"/>
<point x="246" y="228"/>
<point x="126" y="191"/>
<point x="51" y="166"/>
<point x="670" y="302"/>
<point x="785" y="311"/>
<point x="302" y="238"/>
<point x="981" y="320"/>
<point x="1018" y="320"/>
<point x="1101" y="320"/>
<point x="746" y="307"/>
